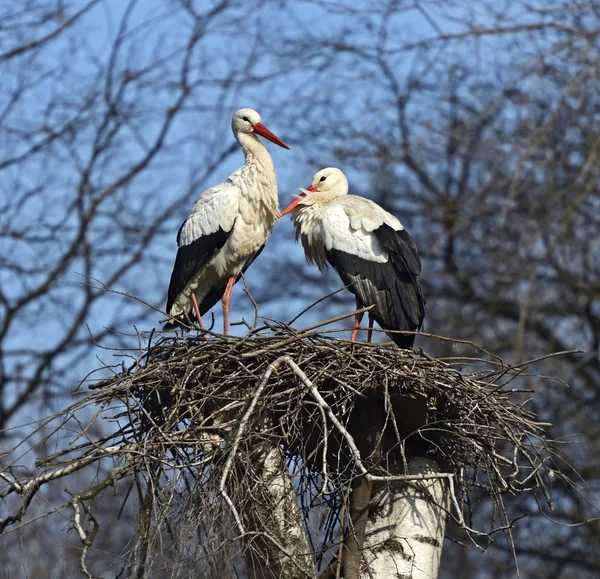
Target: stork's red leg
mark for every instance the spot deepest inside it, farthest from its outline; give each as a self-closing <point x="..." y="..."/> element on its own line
<point x="197" y="310"/>
<point x="357" y="320"/>
<point x="226" y="301"/>
<point x="370" y="332"/>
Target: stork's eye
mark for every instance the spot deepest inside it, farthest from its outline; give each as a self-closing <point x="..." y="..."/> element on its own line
<point x="322" y="179"/>
<point x="246" y="119"/>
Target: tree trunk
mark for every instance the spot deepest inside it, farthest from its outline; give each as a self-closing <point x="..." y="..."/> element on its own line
<point x="275" y="512"/>
<point x="406" y="526"/>
<point x="352" y="552"/>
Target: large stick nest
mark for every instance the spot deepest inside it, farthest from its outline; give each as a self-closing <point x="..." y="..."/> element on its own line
<point x="189" y="387"/>
<point x="194" y="416"/>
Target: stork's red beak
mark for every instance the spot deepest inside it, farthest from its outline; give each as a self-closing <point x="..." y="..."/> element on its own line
<point x="297" y="200"/>
<point x="293" y="204"/>
<point x="261" y="130"/>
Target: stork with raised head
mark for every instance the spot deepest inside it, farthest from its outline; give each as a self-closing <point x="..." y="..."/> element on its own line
<point x="227" y="228"/>
<point x="368" y="247"/>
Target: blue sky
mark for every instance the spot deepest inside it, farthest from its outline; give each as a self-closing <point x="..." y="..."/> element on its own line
<point x="312" y="69"/>
<point x="307" y="67"/>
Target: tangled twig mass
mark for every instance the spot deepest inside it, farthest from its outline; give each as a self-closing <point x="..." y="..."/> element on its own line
<point x="216" y="434"/>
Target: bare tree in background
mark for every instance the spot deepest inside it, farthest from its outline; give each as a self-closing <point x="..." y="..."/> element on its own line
<point x="101" y="149"/>
<point x="485" y="142"/>
<point x="476" y="125"/>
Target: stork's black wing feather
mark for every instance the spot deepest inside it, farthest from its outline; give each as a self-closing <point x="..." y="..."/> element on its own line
<point x="190" y="258"/>
<point x="403" y="254"/>
<point x="391" y="287"/>
<point x="400" y="246"/>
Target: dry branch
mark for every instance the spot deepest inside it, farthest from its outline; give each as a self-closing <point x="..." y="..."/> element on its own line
<point x="199" y="424"/>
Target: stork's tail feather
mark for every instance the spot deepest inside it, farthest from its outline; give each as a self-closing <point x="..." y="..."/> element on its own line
<point x="175" y="324"/>
<point x="404" y="341"/>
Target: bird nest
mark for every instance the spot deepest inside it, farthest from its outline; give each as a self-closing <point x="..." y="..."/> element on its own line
<point x="311" y="394"/>
<point x="199" y="420"/>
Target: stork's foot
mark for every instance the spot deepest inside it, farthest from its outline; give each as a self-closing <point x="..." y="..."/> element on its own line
<point x="197" y="311"/>
<point x="357" y="320"/>
<point x="370" y="332"/>
<point x="226" y="301"/>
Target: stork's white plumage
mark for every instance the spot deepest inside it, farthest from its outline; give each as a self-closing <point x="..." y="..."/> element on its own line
<point x="227" y="228"/>
<point x="369" y="249"/>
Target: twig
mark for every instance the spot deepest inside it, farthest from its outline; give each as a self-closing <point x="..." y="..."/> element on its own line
<point x="238" y="437"/>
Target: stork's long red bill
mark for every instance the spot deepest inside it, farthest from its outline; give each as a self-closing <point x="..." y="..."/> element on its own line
<point x="261" y="130"/>
<point x="297" y="200"/>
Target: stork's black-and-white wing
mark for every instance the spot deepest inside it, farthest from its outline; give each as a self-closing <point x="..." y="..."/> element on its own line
<point x="201" y="236"/>
<point x="378" y="260"/>
<point x="190" y="258"/>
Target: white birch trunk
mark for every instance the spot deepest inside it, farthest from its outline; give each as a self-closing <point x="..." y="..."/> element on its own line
<point x="274" y="510"/>
<point x="406" y="527"/>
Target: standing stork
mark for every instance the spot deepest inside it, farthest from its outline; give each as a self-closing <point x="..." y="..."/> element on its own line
<point x="368" y="247"/>
<point x="227" y="228"/>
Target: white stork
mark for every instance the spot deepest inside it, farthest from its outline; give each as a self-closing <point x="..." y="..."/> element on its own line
<point x="368" y="247"/>
<point x="227" y="228"/>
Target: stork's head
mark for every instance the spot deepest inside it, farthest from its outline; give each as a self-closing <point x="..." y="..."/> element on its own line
<point x="329" y="182"/>
<point x="248" y="121"/>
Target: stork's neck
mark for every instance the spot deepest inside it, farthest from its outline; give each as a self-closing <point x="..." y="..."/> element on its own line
<point x="255" y="151"/>
<point x="257" y="178"/>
